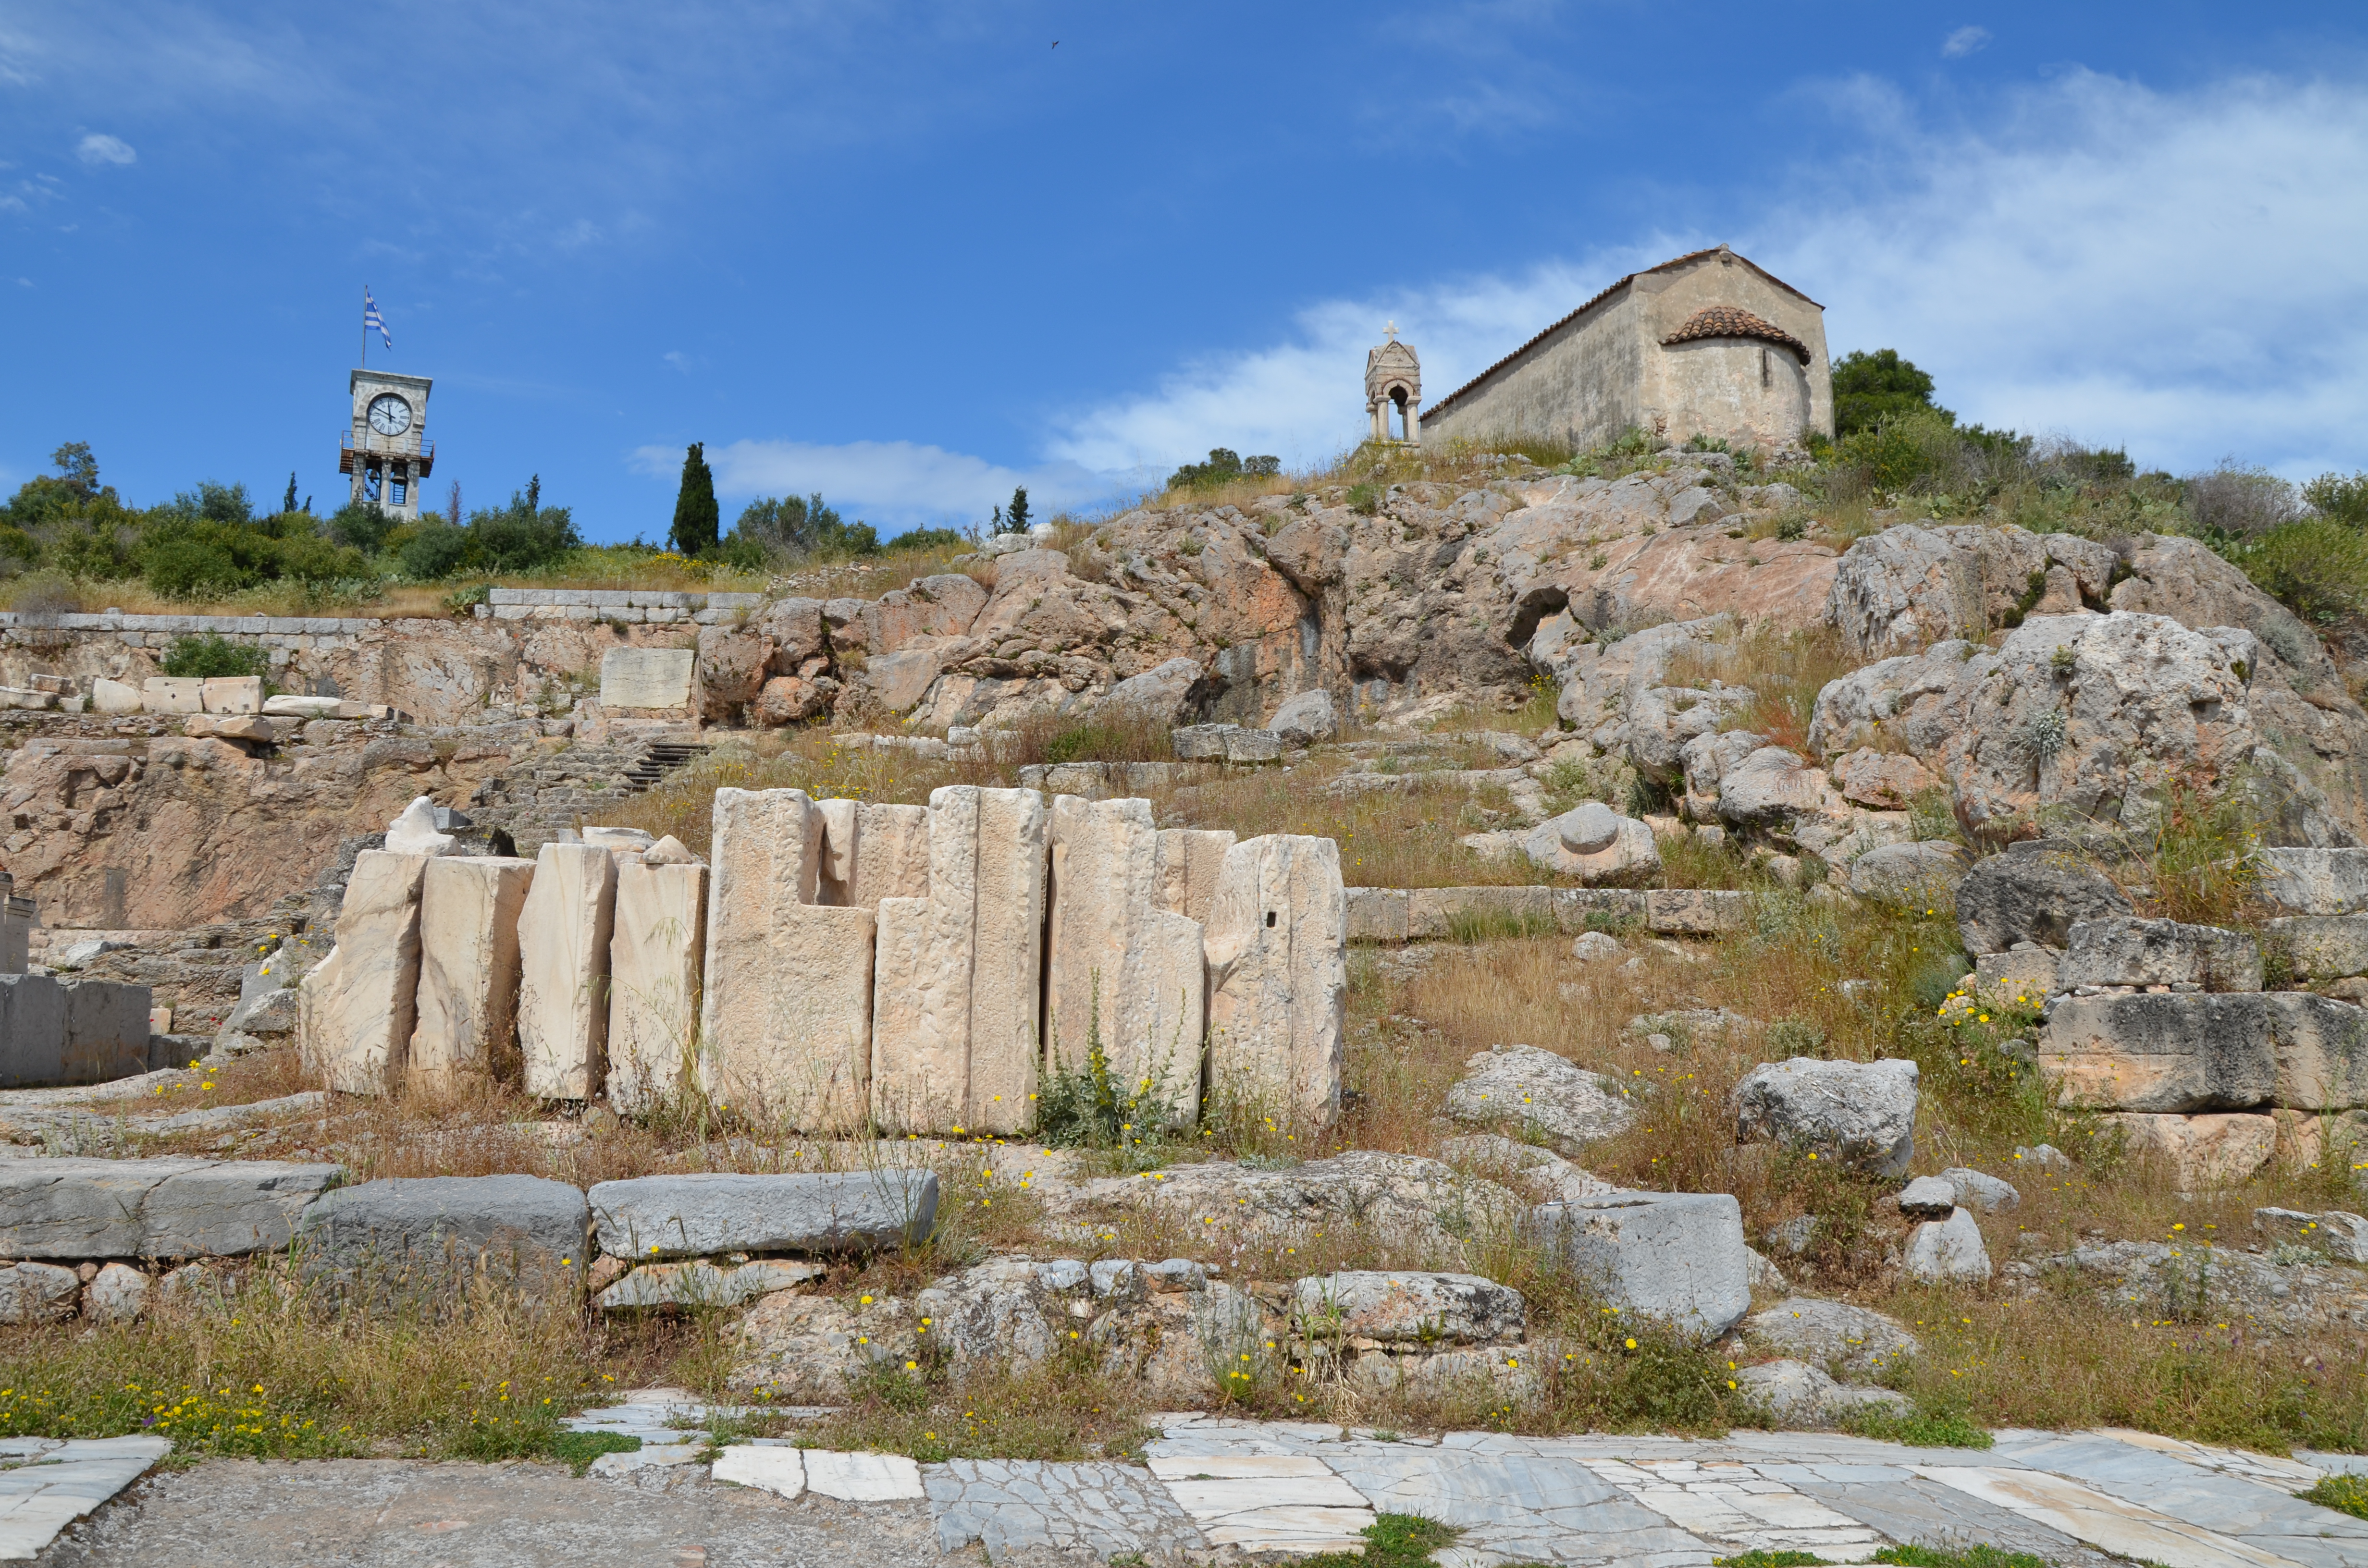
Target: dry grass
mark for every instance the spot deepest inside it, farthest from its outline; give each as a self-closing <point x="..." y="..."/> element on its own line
<point x="1783" y="670"/>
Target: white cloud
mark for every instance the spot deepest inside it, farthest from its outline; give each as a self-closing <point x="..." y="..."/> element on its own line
<point x="2179" y="272"/>
<point x="97" y="148"/>
<point x="1964" y="41"/>
<point x="894" y="484"/>
<point x="677" y="359"/>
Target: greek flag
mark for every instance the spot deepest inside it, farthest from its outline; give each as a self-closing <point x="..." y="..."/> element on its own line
<point x="371" y="318"/>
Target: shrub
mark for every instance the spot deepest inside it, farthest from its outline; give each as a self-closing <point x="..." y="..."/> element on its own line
<point x="1918" y="451"/>
<point x="213" y="656"/>
<point x="791" y="528"/>
<point x="361" y="523"/>
<point x="2238" y="501"/>
<point x="1223" y="465"/>
<point x="2344" y="500"/>
<point x="2315" y="567"/>
<point x="191" y="568"/>
<point x="929" y="538"/>
<point x="434" y="552"/>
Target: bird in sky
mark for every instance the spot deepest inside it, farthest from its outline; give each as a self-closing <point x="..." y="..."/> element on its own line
<point x="1056" y="43"/>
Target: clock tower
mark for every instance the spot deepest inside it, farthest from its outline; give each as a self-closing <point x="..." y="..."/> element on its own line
<point x="387" y="451"/>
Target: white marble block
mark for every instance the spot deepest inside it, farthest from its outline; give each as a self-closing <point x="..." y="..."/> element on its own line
<point x="871" y="852"/>
<point x="1116" y="957"/>
<point x="468" y="908"/>
<point x="1278" y="977"/>
<point x="356" y="1009"/>
<point x="564" y="934"/>
<point x="656" y="959"/>
<point x="1190" y="861"/>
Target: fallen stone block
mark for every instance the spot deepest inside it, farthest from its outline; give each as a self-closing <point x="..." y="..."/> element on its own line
<point x="564" y="926"/>
<point x="2337" y="1234"/>
<point x="1693" y="912"/>
<point x="2217" y="1149"/>
<point x="418" y="1235"/>
<point x="1982" y="1193"/>
<point x="1596" y="845"/>
<point x="166" y="1207"/>
<point x="1859" y="1339"/>
<point x="1201" y="743"/>
<point x="1675" y="1257"/>
<point x="1947" y="1251"/>
<point x="703" y="1285"/>
<point x="1800" y="1396"/>
<point x="232" y="694"/>
<point x="2162" y="1053"/>
<point x="1924" y="874"/>
<point x="2321" y="946"/>
<point x="38" y="1292"/>
<point x="1403" y="1307"/>
<point x="467" y="999"/>
<point x="2316" y="881"/>
<point x="1278" y="977"/>
<point x="1860" y="1113"/>
<point x="173" y="694"/>
<point x="1540" y="1094"/>
<point x="703" y="1213"/>
<point x="2023" y="977"/>
<point x="1928" y="1198"/>
<point x="656" y="959"/>
<point x="2033" y="893"/>
<point x="2122" y="951"/>
<point x="1376" y="915"/>
<point x="1304" y="719"/>
<point x="114" y="696"/>
<point x="359" y="1004"/>
<point x="106" y="1031"/>
<point x="32" y="1030"/>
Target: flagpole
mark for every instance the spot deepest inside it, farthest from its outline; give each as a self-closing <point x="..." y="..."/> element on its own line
<point x="365" y="326"/>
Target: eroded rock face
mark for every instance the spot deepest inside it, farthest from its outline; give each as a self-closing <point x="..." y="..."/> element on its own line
<point x="2033" y="893"/>
<point x="1909" y="586"/>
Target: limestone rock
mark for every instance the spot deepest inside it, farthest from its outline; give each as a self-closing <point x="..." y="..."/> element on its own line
<point x="1675" y="1257"/>
<point x="1538" y="1091"/>
<point x="1861" y="1113"/>
<point x="671" y="851"/>
<point x="2216" y="1149"/>
<point x="648" y="678"/>
<point x="1945" y="1251"/>
<point x="1119" y="969"/>
<point x="1803" y="1397"/>
<point x="786" y="1009"/>
<point x="359" y="1003"/>
<point x="703" y="1285"/>
<point x="1910" y="585"/>
<point x="36" y="1293"/>
<point x="2316" y="882"/>
<point x="702" y="1213"/>
<point x="159" y="1207"/>
<point x="2321" y="946"/>
<point x="1166" y="693"/>
<point x="1403" y="1307"/>
<point x="2342" y="1236"/>
<point x="1928" y="1198"/>
<point x="118" y="1293"/>
<point x="1982" y="1193"/>
<point x="1596" y="845"/>
<point x="565" y="928"/>
<point x="1884" y="780"/>
<point x="1595" y="947"/>
<point x="2033" y="893"/>
<point x="1545" y="1175"/>
<point x="1924" y="875"/>
<point x="2125" y="951"/>
<point x="1306" y="719"/>
<point x="622" y="841"/>
<point x="415" y="833"/>
<point x="413" y="1236"/>
<point x="2165" y="1051"/>
<point x="792" y="699"/>
<point x="2026" y="976"/>
<point x="2289" y="1299"/>
<point x="467" y="998"/>
<point x="1277" y="949"/>
<point x="1397" y="1198"/>
<point x="657" y="951"/>
<point x="1859" y="1339"/>
<point x="1188" y="863"/>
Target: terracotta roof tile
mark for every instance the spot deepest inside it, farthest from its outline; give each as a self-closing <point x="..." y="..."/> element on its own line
<point x="1733" y="320"/>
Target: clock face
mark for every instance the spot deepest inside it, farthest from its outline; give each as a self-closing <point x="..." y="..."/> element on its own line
<point x="389" y="414"/>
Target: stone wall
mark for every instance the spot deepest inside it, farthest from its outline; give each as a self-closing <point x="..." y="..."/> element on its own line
<point x="853" y="964"/>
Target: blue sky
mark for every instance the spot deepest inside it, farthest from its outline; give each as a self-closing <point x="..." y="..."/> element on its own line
<point x="911" y="255"/>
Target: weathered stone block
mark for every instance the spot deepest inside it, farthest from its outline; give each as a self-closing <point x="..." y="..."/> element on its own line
<point x="703" y="1285"/>
<point x="1694" y="912"/>
<point x="1540" y="1095"/>
<point x="173" y="694"/>
<point x="1119" y="969"/>
<point x="164" y="1208"/>
<point x="2025" y="977"/>
<point x="2218" y="1149"/>
<point x="1863" y="1340"/>
<point x="892" y="860"/>
<point x="2316" y="881"/>
<point x="1948" y="1250"/>
<point x="1677" y="1256"/>
<point x="2033" y="893"/>
<point x="1189" y="860"/>
<point x="1277" y="949"/>
<point x="106" y="1031"/>
<point x="657" y="953"/>
<point x="786" y="1015"/>
<point x="648" y="678"/>
<point x="1402" y="1307"/>
<point x="696" y="1215"/>
<point x="32" y="1030"/>
<point x="1581" y="909"/>
<point x="468" y="908"/>
<point x="114" y="696"/>
<point x="359" y="1003"/>
<point x="1253" y="746"/>
<point x="2335" y="1232"/>
<point x="2160" y="1052"/>
<point x="38" y="1292"/>
<point x="1201" y="743"/>
<point x="565" y="928"/>
<point x="1438" y="911"/>
<point x="1861" y="1114"/>
<point x="2322" y="946"/>
<point x="417" y="1235"/>
<point x="1376" y="915"/>
<point x="2122" y="951"/>
<point x="232" y="694"/>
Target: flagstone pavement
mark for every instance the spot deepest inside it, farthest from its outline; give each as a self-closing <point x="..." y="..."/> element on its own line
<point x="1209" y="1490"/>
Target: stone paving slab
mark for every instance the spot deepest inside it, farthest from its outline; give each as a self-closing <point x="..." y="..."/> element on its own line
<point x="1009" y="1506"/>
<point x="47" y="1484"/>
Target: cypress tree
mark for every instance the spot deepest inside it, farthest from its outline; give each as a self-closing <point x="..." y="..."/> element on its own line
<point x="696" y="517"/>
<point x="1016" y="520"/>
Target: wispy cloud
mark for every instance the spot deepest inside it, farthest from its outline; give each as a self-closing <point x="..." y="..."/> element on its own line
<point x="99" y="148"/>
<point x="677" y="359"/>
<point x="1964" y="41"/>
<point x="895" y="484"/>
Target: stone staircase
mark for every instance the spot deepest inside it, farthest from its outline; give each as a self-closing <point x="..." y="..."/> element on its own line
<point x="582" y="784"/>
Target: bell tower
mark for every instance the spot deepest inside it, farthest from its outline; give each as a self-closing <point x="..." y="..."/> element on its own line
<point x="387" y="450"/>
<point x="1394" y="383"/>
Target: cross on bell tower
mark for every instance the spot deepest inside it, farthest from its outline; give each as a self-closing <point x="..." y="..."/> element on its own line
<point x="1394" y="381"/>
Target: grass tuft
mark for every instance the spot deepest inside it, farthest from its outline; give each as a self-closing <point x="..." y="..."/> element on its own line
<point x="2345" y="1494"/>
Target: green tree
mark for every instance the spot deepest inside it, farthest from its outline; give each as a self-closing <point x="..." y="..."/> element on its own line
<point x="696" y="519"/>
<point x="1872" y="387"/>
<point x="2344" y="500"/>
<point x="1223" y="464"/>
<point x="1015" y="521"/>
<point x="288" y="502"/>
<point x="790" y="529"/>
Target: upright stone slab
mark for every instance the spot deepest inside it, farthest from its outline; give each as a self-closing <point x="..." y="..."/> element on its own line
<point x="1121" y="967"/>
<point x="1276" y="952"/>
<point x="232" y="694"/>
<point x="1190" y="861"/>
<point x="647" y="677"/>
<point x="469" y="909"/>
<point x="785" y="1022"/>
<point x="564" y="931"/>
<point x="32" y="1030"/>
<point x="173" y="694"/>
<point x="358" y="1012"/>
<point x="955" y="1039"/>
<point x="656" y="959"/>
<point x="106" y="1031"/>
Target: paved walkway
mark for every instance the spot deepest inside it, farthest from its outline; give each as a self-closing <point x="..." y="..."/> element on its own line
<point x="1209" y="1486"/>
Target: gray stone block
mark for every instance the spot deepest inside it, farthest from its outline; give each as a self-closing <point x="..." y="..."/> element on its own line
<point x="2322" y="946"/>
<point x="1406" y="1306"/>
<point x="1928" y="1198"/>
<point x="2033" y="893"/>
<point x="38" y="1292"/>
<point x="2122" y="951"/>
<point x="1859" y="1339"/>
<point x="2164" y="1052"/>
<point x="1201" y="743"/>
<point x="2316" y="881"/>
<point x="172" y="1207"/>
<point x="1574" y="907"/>
<point x="106" y="1031"/>
<point x="1253" y="746"/>
<point x="1981" y="1192"/>
<point x="1679" y="1257"/>
<point x="1377" y="915"/>
<point x="1860" y="1113"/>
<point x="410" y="1235"/>
<point x="691" y="1216"/>
<point x="1692" y="912"/>
<point x="32" y="1030"/>
<point x="1947" y="1250"/>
